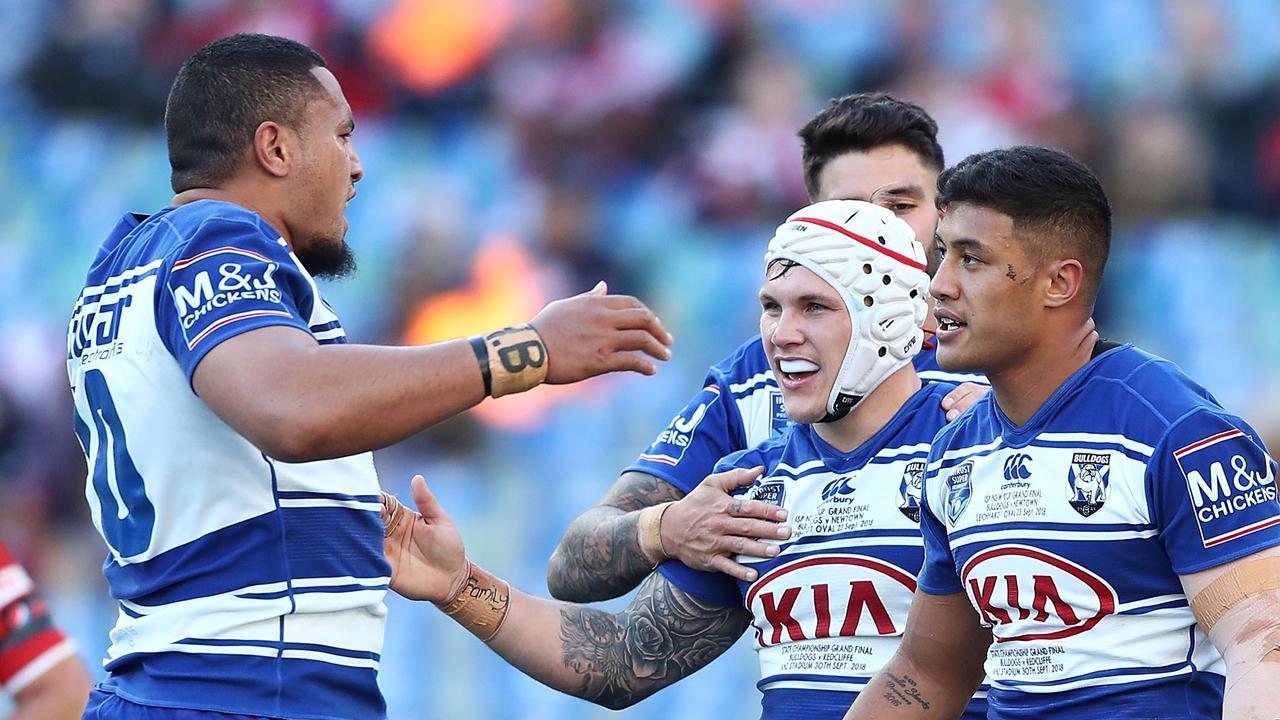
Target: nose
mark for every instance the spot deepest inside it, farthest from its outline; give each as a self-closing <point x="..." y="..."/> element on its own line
<point x="357" y="170"/>
<point x="786" y="330"/>
<point x="943" y="284"/>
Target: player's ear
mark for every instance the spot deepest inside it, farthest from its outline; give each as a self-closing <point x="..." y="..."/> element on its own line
<point x="1065" y="281"/>
<point x="274" y="148"/>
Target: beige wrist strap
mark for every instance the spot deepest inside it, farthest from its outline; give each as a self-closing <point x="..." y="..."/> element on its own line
<point x="481" y="604"/>
<point x="511" y="360"/>
<point x="649" y="531"/>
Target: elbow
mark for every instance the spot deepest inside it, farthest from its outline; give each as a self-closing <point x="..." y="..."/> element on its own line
<point x="292" y="439"/>
<point x="559" y="584"/>
<point x="619" y="700"/>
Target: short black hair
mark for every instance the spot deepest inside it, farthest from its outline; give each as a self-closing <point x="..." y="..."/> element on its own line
<point x="223" y="93"/>
<point x="1054" y="200"/>
<point x="861" y="122"/>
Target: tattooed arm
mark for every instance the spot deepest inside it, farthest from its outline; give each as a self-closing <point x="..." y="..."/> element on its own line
<point x="600" y="555"/>
<point x="612" y="660"/>
<point x="617" y="660"/>
<point x="938" y="665"/>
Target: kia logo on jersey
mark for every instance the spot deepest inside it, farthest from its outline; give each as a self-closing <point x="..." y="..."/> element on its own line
<point x="829" y="596"/>
<point x="1026" y="593"/>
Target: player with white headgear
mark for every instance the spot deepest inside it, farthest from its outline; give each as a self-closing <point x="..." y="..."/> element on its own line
<point x="843" y="303"/>
<point x="871" y="257"/>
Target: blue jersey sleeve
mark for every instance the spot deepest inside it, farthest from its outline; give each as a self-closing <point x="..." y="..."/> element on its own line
<point x="1213" y="487"/>
<point x="716" y="588"/>
<point x="709" y="428"/>
<point x="229" y="279"/>
<point x="938" y="576"/>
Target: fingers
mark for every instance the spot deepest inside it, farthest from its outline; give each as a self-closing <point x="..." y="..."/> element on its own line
<point x="642" y="318"/>
<point x="628" y="362"/>
<point x="962" y="398"/>
<point x="730" y="480"/>
<point x="601" y="288"/>
<point x="426" y="501"/>
<point x="729" y="567"/>
<point x="751" y="529"/>
<point x="643" y="341"/>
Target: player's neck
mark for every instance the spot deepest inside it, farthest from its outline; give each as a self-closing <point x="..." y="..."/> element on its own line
<point x="1021" y="389"/>
<point x="875" y="410"/>
<point x="237" y="194"/>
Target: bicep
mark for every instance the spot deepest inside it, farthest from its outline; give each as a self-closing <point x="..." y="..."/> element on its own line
<point x="246" y="379"/>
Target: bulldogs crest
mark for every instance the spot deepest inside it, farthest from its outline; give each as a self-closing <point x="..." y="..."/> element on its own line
<point x="1088" y="481"/>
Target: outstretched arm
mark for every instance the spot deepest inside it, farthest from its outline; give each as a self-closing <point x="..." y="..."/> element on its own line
<point x="937" y="668"/>
<point x="614" y="660"/>
<point x="606" y="553"/>
<point x="298" y="400"/>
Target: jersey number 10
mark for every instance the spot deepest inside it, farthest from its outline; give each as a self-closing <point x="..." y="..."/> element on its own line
<point x="127" y="516"/>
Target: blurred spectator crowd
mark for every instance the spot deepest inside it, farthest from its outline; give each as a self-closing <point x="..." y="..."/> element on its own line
<point x="520" y="150"/>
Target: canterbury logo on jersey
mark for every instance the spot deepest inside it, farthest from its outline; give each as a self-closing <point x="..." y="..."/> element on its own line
<point x="829" y="596"/>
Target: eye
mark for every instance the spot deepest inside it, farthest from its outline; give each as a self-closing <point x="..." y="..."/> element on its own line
<point x="968" y="260"/>
<point x="815" y="307"/>
<point x="769" y="307"/>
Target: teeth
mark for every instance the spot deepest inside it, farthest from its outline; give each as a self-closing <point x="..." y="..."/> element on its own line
<point x="797" y="366"/>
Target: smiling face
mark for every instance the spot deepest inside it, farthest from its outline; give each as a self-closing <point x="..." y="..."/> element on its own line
<point x="891" y="176"/>
<point x="987" y="290"/>
<point x="805" y="328"/>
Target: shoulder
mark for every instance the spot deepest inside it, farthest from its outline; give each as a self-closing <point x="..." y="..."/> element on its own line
<point x="1155" y="387"/>
<point x="746" y="365"/>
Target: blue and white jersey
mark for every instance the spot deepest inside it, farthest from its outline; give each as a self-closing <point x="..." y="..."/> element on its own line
<point x="245" y="584"/>
<point x="739" y="407"/>
<point x="829" y="610"/>
<point x="1069" y="534"/>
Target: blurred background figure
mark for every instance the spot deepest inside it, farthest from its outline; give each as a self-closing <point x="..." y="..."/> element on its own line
<point x="521" y="149"/>
<point x="41" y="674"/>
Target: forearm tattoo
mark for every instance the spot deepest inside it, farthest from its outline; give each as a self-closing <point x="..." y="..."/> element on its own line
<point x="903" y="691"/>
<point x="599" y="557"/>
<point x="663" y="635"/>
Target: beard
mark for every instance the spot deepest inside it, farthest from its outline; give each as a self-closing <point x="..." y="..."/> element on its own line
<point x="328" y="259"/>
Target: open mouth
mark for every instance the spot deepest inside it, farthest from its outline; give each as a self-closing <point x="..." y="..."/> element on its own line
<point x="795" y="370"/>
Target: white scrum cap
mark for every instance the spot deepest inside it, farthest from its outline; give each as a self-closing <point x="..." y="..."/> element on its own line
<point x="871" y="257"/>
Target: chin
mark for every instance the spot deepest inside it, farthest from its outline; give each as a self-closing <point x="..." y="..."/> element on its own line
<point x="955" y="360"/>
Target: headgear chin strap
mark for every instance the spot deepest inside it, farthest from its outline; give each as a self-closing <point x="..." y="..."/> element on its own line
<point x="871" y="257"/>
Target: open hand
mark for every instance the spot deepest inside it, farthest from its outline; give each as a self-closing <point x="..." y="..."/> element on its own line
<point x="428" y="560"/>
<point x="709" y="526"/>
<point x="594" y="333"/>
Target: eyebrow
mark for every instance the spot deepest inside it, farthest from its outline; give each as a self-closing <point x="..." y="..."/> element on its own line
<point x="805" y="299"/>
<point x="912" y="189"/>
<point x="963" y="244"/>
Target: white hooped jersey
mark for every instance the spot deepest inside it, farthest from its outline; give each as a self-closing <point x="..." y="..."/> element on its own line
<point x="245" y="584"/>
<point x="829" y="610"/>
<point x="739" y="407"/>
<point x="1069" y="534"/>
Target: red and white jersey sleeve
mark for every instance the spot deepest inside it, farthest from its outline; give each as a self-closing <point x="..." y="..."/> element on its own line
<point x="29" y="643"/>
